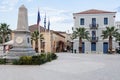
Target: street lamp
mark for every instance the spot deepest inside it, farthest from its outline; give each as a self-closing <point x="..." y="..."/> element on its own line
<point x="72" y="45"/>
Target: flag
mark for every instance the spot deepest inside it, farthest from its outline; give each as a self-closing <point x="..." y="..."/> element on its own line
<point x="38" y="18"/>
<point x="45" y="21"/>
<point x="48" y="25"/>
<point x="38" y="21"/>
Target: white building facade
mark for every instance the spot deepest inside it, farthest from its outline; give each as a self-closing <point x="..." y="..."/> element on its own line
<point x="95" y="21"/>
<point x="117" y="24"/>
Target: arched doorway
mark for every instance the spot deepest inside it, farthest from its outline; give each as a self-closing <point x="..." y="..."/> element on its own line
<point x="60" y="46"/>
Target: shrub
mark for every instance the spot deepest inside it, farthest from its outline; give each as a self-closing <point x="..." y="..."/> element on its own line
<point x="2" y="61"/>
<point x="53" y="56"/>
<point x="49" y="57"/>
<point x="39" y="59"/>
<point x="25" y="60"/>
<point x="35" y="60"/>
<point x="16" y="62"/>
<point x="43" y="58"/>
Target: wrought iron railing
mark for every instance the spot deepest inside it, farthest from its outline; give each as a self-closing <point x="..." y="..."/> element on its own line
<point x="94" y="39"/>
<point x="94" y="26"/>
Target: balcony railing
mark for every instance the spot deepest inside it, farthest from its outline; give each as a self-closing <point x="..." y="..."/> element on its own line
<point x="94" y="39"/>
<point x="94" y="26"/>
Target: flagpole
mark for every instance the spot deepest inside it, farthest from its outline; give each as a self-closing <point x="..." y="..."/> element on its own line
<point x="49" y="33"/>
<point x="38" y="25"/>
<point x="39" y="40"/>
<point x="45" y="22"/>
<point x="45" y="31"/>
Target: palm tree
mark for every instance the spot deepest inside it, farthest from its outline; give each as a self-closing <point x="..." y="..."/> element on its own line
<point x="4" y="32"/>
<point x="0" y="39"/>
<point x="81" y="33"/>
<point x="35" y="36"/>
<point x="118" y="37"/>
<point x="109" y="33"/>
<point x="73" y="35"/>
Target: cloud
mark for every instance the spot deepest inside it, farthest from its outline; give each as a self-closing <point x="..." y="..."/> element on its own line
<point x="29" y="0"/>
<point x="5" y="9"/>
<point x="58" y="15"/>
<point x="56" y="18"/>
<point x="117" y="9"/>
<point x="59" y="19"/>
<point x="31" y="14"/>
<point x="55" y="15"/>
<point x="7" y="5"/>
<point x="118" y="13"/>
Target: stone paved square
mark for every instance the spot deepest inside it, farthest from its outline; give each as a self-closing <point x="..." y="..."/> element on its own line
<point x="68" y="66"/>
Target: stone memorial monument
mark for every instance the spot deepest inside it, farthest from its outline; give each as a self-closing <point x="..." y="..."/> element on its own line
<point x="22" y="39"/>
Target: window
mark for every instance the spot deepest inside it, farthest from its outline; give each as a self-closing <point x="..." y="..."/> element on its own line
<point x="28" y="40"/>
<point x="93" y="34"/>
<point x="105" y="21"/>
<point x="93" y="20"/>
<point x="82" y="21"/>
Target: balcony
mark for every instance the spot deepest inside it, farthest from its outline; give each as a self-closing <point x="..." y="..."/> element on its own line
<point x="93" y="26"/>
<point x="94" y="39"/>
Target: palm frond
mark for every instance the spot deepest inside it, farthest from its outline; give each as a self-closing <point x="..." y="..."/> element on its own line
<point x="4" y="31"/>
<point x="110" y="31"/>
<point x="35" y="36"/>
<point x="81" y="33"/>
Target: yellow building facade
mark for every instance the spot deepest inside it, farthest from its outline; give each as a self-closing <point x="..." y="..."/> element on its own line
<point x="53" y="40"/>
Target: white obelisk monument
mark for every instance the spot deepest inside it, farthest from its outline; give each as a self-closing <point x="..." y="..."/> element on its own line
<point x="22" y="39"/>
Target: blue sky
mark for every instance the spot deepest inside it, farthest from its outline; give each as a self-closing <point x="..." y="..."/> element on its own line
<point x="59" y="11"/>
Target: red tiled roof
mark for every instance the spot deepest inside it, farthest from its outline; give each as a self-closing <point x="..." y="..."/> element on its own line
<point x="94" y="11"/>
<point x="57" y="33"/>
<point x="34" y="27"/>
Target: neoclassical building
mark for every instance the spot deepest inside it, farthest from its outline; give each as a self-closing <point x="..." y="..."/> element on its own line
<point x="95" y="21"/>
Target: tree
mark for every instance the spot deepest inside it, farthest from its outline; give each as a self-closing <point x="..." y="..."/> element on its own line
<point x="4" y="32"/>
<point x="35" y="36"/>
<point x="73" y="35"/>
<point x="109" y="33"/>
<point x="0" y="39"/>
<point x="118" y="37"/>
<point x="81" y="33"/>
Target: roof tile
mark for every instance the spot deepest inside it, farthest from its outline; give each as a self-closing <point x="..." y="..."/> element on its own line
<point x="94" y="11"/>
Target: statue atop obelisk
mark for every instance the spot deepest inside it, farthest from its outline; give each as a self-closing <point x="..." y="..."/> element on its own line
<point x="22" y="39"/>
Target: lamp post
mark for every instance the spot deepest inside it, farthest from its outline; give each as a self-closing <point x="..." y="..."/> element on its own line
<point x="72" y="46"/>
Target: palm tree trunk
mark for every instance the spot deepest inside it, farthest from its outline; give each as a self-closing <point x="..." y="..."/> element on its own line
<point x="110" y="44"/>
<point x="80" y="45"/>
<point x="3" y="39"/>
<point x="36" y="46"/>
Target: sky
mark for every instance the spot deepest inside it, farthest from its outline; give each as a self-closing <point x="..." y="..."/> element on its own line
<point x="59" y="12"/>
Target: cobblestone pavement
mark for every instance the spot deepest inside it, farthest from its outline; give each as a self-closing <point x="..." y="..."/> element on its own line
<point x="68" y="66"/>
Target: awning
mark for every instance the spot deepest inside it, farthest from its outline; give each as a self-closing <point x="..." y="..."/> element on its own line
<point x="9" y="43"/>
